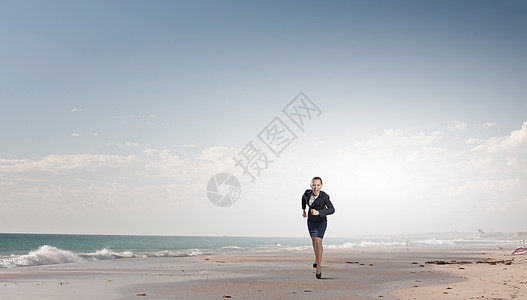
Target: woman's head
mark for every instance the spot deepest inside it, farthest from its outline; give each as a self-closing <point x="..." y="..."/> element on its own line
<point x="316" y="185"/>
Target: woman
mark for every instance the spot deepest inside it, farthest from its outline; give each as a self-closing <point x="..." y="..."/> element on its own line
<point x="319" y="207"/>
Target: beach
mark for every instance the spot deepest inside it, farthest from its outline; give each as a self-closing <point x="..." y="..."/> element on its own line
<point x="347" y="274"/>
<point x="494" y="275"/>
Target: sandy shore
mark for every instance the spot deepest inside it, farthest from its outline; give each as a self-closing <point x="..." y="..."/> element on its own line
<point x="347" y="274"/>
<point x="494" y="275"/>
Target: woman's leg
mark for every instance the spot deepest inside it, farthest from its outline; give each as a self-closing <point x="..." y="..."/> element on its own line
<point x="315" y="245"/>
<point x="318" y="253"/>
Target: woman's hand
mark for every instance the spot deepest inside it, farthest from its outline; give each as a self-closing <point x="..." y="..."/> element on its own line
<point x="304" y="214"/>
<point x="314" y="212"/>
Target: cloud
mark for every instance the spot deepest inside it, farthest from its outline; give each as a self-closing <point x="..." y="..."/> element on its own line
<point x="409" y="173"/>
<point x="125" y="144"/>
<point x="473" y="141"/>
<point x="156" y="152"/>
<point x="218" y="153"/>
<point x="154" y="180"/>
<point x="392" y="137"/>
<point x="76" y="109"/>
<point x="457" y="125"/>
<point x="515" y="142"/>
<point x="487" y="125"/>
<point x="319" y="142"/>
<point x="75" y="134"/>
<point x="58" y="163"/>
<point x="148" y="119"/>
<point x="163" y="160"/>
<point x="131" y="144"/>
<point x="496" y="186"/>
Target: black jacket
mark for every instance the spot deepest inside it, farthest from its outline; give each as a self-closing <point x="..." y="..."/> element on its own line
<point x="321" y="203"/>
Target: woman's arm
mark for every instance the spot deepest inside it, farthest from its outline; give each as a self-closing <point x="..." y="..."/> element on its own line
<point x="304" y="203"/>
<point x="328" y="209"/>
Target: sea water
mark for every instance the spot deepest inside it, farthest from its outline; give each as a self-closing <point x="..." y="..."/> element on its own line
<point x="18" y="250"/>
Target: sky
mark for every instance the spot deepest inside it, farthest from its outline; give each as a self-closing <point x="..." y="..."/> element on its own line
<point x="116" y="116"/>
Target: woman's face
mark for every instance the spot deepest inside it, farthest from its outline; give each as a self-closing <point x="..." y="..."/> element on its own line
<point x="316" y="185"/>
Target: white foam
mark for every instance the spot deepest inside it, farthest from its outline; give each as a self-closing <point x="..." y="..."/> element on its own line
<point x="194" y="252"/>
<point x="106" y="253"/>
<point x="232" y="247"/>
<point x="44" y="255"/>
<point x="433" y="242"/>
<point x="376" y="244"/>
<point x="299" y="248"/>
<point x="365" y="244"/>
<point x="342" y="246"/>
<point x="49" y="255"/>
<point x="167" y="253"/>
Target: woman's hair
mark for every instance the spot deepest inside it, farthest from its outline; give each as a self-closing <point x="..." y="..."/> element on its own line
<point x="317" y="178"/>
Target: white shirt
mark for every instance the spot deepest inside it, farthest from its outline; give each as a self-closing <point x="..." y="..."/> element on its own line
<point x="312" y="199"/>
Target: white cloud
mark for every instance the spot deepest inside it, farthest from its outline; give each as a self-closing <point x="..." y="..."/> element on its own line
<point x="402" y="138"/>
<point x="473" y="141"/>
<point x="156" y="152"/>
<point x="319" y="142"/>
<point x="76" y="109"/>
<point x="125" y="144"/>
<point x="131" y="144"/>
<point x="217" y="153"/>
<point x="516" y="142"/>
<point x="487" y="125"/>
<point x="150" y="186"/>
<point x="409" y="173"/>
<point x="406" y="172"/>
<point x="512" y="161"/>
<point x="75" y="134"/>
<point x="148" y="119"/>
<point x="457" y="125"/>
<point x="496" y="186"/>
<point x="163" y="160"/>
<point x="57" y="163"/>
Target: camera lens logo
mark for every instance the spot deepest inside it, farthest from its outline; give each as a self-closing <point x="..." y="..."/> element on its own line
<point x="223" y="189"/>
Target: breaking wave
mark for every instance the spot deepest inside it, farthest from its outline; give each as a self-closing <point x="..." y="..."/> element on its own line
<point x="372" y="244"/>
<point x="49" y="255"/>
<point x="233" y="247"/>
<point x="433" y="242"/>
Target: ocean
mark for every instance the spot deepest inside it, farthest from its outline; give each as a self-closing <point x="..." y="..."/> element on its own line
<point x="24" y="250"/>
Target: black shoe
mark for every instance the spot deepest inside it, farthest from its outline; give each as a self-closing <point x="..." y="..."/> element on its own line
<point x="319" y="275"/>
<point x="314" y="265"/>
